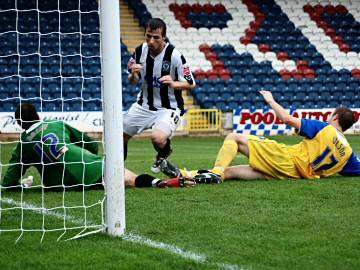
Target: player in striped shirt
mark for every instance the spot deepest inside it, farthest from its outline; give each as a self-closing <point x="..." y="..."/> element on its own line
<point x="163" y="74"/>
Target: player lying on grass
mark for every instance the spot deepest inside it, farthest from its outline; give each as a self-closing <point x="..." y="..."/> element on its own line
<point x="323" y="152"/>
<point x="64" y="156"/>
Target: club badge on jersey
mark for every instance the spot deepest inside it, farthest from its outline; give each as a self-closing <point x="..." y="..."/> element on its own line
<point x="165" y="68"/>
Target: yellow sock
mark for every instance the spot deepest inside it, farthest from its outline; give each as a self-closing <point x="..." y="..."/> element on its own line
<point x="226" y="154"/>
<point x="188" y="173"/>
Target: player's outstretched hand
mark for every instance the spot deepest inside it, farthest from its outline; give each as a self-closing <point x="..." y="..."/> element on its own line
<point x="267" y="96"/>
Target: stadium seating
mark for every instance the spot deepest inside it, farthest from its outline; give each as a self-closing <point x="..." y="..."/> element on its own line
<point x="307" y="54"/>
<point x="278" y="56"/>
<point x="39" y="56"/>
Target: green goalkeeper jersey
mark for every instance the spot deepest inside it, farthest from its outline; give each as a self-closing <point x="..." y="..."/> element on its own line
<point x="62" y="155"/>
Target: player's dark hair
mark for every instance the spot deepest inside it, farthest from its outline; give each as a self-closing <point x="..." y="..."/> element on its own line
<point x="346" y="117"/>
<point x="157" y="23"/>
<point x="26" y="115"/>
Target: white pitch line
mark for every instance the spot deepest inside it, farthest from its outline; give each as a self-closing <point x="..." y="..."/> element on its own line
<point x="40" y="210"/>
<point x="135" y="238"/>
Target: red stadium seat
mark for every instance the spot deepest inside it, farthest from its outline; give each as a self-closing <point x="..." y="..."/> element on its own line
<point x="264" y="48"/>
<point x="219" y="8"/>
<point x="338" y="40"/>
<point x="255" y="25"/>
<point x="245" y="40"/>
<point x="200" y="74"/>
<point x="217" y="65"/>
<point x="309" y="73"/>
<point x="224" y="74"/>
<point x="330" y="9"/>
<point x="322" y="24"/>
<point x="356" y="73"/>
<point x="330" y="32"/>
<point x="212" y="74"/>
<point x="197" y="8"/>
<point x="208" y="8"/>
<point x="319" y="9"/>
<point x="297" y="74"/>
<point x="250" y="33"/>
<point x="186" y="23"/>
<point x="252" y="7"/>
<point x="174" y="7"/>
<point x="211" y="56"/>
<point x="345" y="48"/>
<point x="285" y="74"/>
<point x="341" y="9"/>
<point x="180" y="16"/>
<point x="260" y="17"/>
<point x="308" y="8"/>
<point x="282" y="56"/>
<point x="205" y="48"/>
<point x="185" y="8"/>
<point x="301" y="64"/>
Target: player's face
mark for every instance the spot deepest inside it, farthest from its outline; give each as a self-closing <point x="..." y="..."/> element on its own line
<point x="154" y="40"/>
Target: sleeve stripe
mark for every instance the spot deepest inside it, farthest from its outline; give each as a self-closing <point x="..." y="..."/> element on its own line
<point x="183" y="60"/>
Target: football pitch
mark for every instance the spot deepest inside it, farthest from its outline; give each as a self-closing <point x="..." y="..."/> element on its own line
<point x="302" y="224"/>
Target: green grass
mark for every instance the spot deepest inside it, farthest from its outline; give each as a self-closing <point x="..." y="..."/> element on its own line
<point x="252" y="225"/>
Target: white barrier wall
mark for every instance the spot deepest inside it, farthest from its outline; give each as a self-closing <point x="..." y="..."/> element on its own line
<point x="84" y="121"/>
<point x="256" y="122"/>
<point x="265" y="122"/>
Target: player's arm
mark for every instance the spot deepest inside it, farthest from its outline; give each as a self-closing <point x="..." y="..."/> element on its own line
<point x="184" y="78"/>
<point x="82" y="140"/>
<point x="134" y="76"/>
<point x="134" y="70"/>
<point x="281" y="113"/>
<point x="352" y="167"/>
<point x="176" y="84"/>
<point x="15" y="169"/>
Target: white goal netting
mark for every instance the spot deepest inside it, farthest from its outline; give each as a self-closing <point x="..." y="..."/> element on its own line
<point x="50" y="56"/>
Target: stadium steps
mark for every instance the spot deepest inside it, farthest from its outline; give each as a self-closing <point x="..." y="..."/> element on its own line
<point x="189" y="101"/>
<point x="132" y="34"/>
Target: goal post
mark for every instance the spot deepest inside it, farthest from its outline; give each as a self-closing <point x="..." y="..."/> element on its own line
<point x="112" y="111"/>
<point x="63" y="57"/>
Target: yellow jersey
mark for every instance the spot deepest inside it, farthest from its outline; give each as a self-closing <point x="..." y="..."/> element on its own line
<point x="324" y="151"/>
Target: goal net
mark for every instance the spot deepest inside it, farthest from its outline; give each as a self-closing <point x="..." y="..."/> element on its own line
<point x="62" y="56"/>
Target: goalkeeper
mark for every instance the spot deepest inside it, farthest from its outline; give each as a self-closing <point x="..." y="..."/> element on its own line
<point x="64" y="156"/>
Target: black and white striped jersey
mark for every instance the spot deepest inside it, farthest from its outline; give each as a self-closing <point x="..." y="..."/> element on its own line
<point x="154" y="95"/>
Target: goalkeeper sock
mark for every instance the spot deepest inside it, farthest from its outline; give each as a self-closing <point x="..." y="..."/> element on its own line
<point x="146" y="180"/>
<point x="226" y="155"/>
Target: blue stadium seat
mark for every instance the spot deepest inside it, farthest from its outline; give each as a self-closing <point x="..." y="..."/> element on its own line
<point x="8" y="106"/>
<point x="52" y="105"/>
<point x="336" y="95"/>
<point x="4" y="94"/>
<point x="222" y="106"/>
